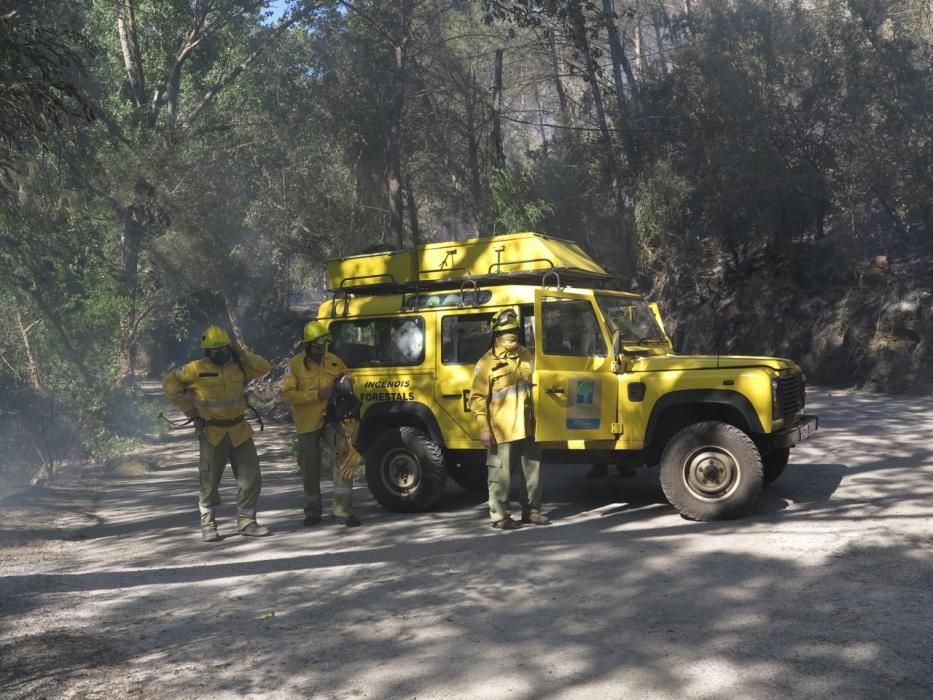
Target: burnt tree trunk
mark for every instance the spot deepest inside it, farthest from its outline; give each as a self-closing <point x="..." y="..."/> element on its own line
<point x="558" y="81"/>
<point x="497" y="110"/>
<point x="413" y="217"/>
<point x="476" y="188"/>
<point x="581" y="37"/>
<point x="395" y="126"/>
<point x="619" y="64"/>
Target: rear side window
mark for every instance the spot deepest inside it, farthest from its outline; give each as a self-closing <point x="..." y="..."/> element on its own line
<point x="378" y="342"/>
<point x="570" y="328"/>
<point x="464" y="338"/>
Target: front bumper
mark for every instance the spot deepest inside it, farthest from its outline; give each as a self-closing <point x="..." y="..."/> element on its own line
<point x="791" y="436"/>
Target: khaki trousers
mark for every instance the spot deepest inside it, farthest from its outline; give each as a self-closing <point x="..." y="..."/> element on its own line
<point x="317" y="448"/>
<point x="500" y="458"/>
<point x="245" y="464"/>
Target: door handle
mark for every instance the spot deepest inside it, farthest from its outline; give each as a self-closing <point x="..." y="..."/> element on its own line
<point x="553" y="390"/>
<point x="452" y="396"/>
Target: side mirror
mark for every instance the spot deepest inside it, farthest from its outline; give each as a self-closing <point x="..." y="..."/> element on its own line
<point x="616" y="343"/>
<point x="678" y="339"/>
<point x="656" y="310"/>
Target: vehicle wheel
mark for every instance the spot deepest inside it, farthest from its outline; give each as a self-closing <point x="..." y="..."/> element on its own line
<point x="711" y="471"/>
<point x="471" y="476"/>
<point x="405" y="470"/>
<point x="774" y="463"/>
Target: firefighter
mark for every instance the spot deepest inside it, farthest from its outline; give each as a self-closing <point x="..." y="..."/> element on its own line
<point x="307" y="389"/>
<point x="501" y="400"/>
<point x="211" y="391"/>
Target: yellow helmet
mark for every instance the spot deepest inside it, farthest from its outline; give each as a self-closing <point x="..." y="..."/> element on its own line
<point x="214" y="337"/>
<point x="315" y="330"/>
<point x="505" y="320"/>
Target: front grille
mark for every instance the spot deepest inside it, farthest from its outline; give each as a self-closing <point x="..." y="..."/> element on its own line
<point x="790" y="391"/>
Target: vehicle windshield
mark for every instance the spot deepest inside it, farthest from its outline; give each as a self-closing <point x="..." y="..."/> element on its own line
<point x="631" y="318"/>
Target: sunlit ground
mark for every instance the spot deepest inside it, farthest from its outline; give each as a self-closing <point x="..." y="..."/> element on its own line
<point x="827" y="590"/>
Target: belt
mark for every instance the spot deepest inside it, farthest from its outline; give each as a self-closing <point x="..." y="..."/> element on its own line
<point x="218" y="423"/>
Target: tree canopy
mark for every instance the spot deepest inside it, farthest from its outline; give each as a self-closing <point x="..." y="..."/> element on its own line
<point x="168" y="163"/>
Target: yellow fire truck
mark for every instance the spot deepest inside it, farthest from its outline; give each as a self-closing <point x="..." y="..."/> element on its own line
<point x="608" y="387"/>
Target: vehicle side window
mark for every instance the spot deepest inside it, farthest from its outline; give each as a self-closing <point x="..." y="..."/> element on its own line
<point x="377" y="342"/>
<point x="464" y="338"/>
<point x="528" y="326"/>
<point x="570" y="328"/>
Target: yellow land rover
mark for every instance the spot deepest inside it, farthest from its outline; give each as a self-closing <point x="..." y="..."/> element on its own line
<point x="608" y="388"/>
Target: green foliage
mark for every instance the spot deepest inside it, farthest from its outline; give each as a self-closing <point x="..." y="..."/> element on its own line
<point x="512" y="207"/>
<point x="661" y="211"/>
<point x="232" y="154"/>
<point x="40" y="65"/>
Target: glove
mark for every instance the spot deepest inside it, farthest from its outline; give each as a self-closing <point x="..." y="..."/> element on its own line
<point x="348" y="461"/>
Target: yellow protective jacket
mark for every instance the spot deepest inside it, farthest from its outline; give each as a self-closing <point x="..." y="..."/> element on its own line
<point x="217" y="393"/>
<point x="301" y="385"/>
<point x="501" y="394"/>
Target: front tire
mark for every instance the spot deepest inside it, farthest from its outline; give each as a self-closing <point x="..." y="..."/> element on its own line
<point x="405" y="470"/>
<point x="774" y="463"/>
<point x="711" y="471"/>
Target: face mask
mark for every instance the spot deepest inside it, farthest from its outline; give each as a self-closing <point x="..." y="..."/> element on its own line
<point x="220" y="356"/>
<point x="508" y="341"/>
<point x="315" y="351"/>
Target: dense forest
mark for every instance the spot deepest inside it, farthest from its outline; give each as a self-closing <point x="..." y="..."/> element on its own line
<point x="761" y="167"/>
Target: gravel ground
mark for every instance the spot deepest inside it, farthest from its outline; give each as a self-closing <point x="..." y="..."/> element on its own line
<point x="826" y="591"/>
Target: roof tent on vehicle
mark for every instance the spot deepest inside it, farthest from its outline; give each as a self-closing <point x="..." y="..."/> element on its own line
<point x="488" y="260"/>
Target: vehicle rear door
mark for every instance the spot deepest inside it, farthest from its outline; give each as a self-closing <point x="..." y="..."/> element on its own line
<point x="463" y="338"/>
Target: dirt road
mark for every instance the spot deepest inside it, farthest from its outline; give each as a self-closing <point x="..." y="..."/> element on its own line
<point x="826" y="591"/>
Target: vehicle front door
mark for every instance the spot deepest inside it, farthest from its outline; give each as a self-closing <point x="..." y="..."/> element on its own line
<point x="575" y="388"/>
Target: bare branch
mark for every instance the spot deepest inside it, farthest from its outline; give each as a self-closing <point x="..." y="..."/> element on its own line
<point x="228" y="79"/>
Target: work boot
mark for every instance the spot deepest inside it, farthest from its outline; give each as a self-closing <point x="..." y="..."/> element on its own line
<point x="349" y="521"/>
<point x="506" y="524"/>
<point x="311" y="520"/>
<point x="209" y="533"/>
<point x="254" y="529"/>
<point x="535" y="518"/>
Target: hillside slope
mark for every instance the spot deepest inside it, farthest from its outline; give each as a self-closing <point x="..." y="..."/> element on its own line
<point x="849" y="318"/>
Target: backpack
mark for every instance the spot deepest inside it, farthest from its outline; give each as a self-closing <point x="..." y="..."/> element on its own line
<point x="343" y="403"/>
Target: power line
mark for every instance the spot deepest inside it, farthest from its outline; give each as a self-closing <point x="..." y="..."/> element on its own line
<point x="698" y="42"/>
<point x="565" y="127"/>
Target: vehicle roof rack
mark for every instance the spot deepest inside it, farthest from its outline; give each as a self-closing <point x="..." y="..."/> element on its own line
<point x="517" y="258"/>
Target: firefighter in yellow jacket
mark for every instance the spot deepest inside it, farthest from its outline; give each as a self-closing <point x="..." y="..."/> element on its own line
<point x="211" y="391"/>
<point x="307" y="388"/>
<point x="501" y="400"/>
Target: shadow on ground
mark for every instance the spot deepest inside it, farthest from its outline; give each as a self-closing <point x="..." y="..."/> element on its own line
<point x="825" y="591"/>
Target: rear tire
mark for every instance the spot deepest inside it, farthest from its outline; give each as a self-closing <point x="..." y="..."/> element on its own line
<point x="405" y="470"/>
<point x="774" y="463"/>
<point x="711" y="471"/>
<point x="471" y="476"/>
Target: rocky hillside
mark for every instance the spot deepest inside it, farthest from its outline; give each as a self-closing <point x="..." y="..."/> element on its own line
<point x="849" y="317"/>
